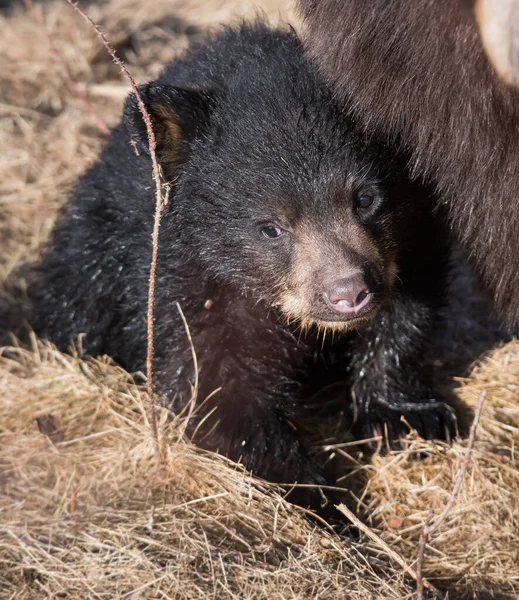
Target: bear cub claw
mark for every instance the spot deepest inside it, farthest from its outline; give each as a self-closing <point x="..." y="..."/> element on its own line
<point x="391" y="424"/>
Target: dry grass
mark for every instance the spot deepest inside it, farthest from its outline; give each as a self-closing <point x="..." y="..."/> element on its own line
<point x="89" y="511"/>
<point x="86" y="511"/>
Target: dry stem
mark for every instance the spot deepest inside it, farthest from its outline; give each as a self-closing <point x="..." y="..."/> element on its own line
<point x="194" y="389"/>
<point x="429" y="529"/>
<point x="156" y="221"/>
<point x="380" y="542"/>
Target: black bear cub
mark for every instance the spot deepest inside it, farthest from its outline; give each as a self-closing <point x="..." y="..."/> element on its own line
<point x="283" y="223"/>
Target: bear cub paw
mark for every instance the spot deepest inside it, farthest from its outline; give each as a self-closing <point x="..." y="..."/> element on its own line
<point x="388" y="424"/>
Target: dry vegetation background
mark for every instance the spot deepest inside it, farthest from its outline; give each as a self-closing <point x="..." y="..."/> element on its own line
<point x="86" y="510"/>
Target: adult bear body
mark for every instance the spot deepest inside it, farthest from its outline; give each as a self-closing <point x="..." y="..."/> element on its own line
<point x="282" y="220"/>
<point x="416" y="71"/>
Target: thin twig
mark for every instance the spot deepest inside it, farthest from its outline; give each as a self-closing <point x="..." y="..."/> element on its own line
<point x="427" y="529"/>
<point x="421" y="556"/>
<point x="71" y="84"/>
<point x="380" y="542"/>
<point x="194" y="390"/>
<point x="156" y="221"/>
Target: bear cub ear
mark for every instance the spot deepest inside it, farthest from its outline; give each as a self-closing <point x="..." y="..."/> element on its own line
<point x="178" y="117"/>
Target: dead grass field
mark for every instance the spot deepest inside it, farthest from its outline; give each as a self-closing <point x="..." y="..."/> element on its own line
<point x="86" y="508"/>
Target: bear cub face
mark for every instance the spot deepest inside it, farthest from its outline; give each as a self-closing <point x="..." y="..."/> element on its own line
<point x="304" y="223"/>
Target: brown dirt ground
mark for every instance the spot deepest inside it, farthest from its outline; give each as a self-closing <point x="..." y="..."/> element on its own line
<point x="87" y="510"/>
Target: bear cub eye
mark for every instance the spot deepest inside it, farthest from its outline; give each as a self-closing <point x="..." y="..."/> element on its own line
<point x="365" y="200"/>
<point x="272" y="231"/>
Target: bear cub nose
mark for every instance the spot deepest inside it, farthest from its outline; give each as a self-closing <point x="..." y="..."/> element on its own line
<point x="349" y="295"/>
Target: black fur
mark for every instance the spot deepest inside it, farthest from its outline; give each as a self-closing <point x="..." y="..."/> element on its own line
<point x="416" y="71"/>
<point x="248" y="136"/>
